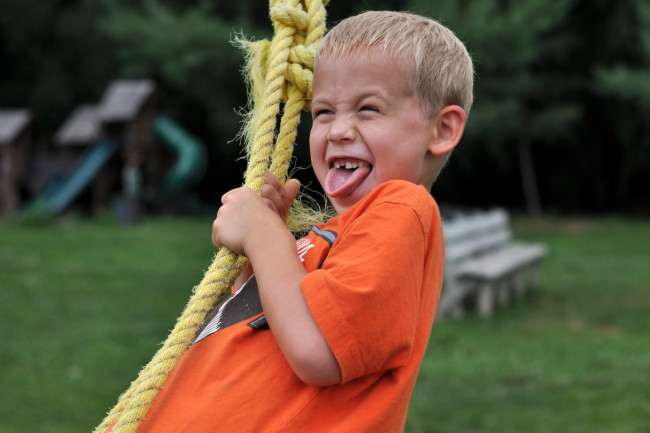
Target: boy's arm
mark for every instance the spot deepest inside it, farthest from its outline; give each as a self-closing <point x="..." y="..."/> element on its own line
<point x="253" y="226"/>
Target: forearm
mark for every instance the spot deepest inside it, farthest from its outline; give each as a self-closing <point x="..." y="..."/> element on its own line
<point x="279" y="274"/>
<point x="254" y="226"/>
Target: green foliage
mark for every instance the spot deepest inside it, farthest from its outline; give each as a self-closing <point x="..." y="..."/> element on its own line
<point x="559" y="80"/>
<point x="630" y="82"/>
<point x="512" y="43"/>
<point x="509" y="41"/>
<point x="188" y="52"/>
<point x="52" y="57"/>
<point x="565" y="82"/>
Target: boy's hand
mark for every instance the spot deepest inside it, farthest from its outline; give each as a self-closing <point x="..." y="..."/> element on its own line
<point x="277" y="197"/>
<point x="244" y="214"/>
<point x="252" y="225"/>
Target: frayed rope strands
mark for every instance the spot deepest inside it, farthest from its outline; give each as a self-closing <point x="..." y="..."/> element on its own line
<point x="277" y="71"/>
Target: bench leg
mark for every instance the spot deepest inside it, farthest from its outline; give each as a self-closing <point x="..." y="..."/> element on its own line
<point x="535" y="274"/>
<point x="457" y="312"/>
<point x="503" y="289"/>
<point x="519" y="280"/>
<point x="485" y="299"/>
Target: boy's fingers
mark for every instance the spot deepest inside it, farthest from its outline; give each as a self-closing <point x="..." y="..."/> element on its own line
<point x="215" y="237"/>
<point x="272" y="198"/>
<point x="231" y="193"/>
<point x="270" y="179"/>
<point x="291" y="189"/>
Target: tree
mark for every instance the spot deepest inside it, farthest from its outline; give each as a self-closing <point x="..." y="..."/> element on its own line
<point x="624" y="79"/>
<point x="519" y="95"/>
<point x="52" y="57"/>
<point x="561" y="87"/>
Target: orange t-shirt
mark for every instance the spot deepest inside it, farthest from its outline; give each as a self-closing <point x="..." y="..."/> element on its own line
<point x="375" y="275"/>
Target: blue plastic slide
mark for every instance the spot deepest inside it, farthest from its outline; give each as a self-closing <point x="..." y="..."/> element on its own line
<point x="55" y="199"/>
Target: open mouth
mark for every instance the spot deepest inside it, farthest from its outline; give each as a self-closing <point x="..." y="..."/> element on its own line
<point x="345" y="175"/>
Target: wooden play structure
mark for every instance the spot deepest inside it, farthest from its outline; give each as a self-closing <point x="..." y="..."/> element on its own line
<point x="15" y="140"/>
<point x="105" y="145"/>
<point x="80" y="132"/>
<point x="119" y="153"/>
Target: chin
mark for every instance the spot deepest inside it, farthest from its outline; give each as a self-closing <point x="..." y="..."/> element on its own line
<point x="341" y="205"/>
<point x="338" y="207"/>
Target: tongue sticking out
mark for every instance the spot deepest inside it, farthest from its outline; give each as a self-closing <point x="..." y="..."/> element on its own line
<point x="341" y="182"/>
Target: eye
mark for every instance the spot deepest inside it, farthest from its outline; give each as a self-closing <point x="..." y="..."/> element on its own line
<point x="320" y="112"/>
<point x="369" y="108"/>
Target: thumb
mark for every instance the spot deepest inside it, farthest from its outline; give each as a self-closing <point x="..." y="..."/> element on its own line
<point x="291" y="189"/>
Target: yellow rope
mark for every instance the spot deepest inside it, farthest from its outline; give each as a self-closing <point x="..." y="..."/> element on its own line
<point x="279" y="70"/>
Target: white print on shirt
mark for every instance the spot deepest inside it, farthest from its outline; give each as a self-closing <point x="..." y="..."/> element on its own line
<point x="303" y="245"/>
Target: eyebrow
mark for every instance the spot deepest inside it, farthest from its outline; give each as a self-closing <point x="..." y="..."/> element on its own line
<point x="357" y="99"/>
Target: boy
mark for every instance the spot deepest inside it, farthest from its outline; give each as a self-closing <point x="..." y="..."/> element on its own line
<point x="350" y="306"/>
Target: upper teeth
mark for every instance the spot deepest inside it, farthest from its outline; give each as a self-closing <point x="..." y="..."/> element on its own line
<point x="348" y="164"/>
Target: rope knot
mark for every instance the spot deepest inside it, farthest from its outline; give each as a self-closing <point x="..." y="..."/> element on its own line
<point x="299" y="70"/>
<point x="290" y="16"/>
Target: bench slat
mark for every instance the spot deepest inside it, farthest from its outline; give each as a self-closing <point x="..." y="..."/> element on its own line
<point x="506" y="260"/>
<point x="471" y="247"/>
<point x="466" y="226"/>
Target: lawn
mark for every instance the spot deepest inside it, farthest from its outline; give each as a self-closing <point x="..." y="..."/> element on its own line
<point x="574" y="357"/>
<point x="83" y="307"/>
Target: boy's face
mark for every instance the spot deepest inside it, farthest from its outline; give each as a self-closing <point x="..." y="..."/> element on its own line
<point x="367" y="127"/>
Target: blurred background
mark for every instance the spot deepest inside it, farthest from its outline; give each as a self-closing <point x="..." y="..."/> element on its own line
<point x="558" y="135"/>
<point x="559" y="122"/>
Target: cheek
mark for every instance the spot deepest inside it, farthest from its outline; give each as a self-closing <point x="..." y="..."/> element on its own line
<point x="312" y="144"/>
<point x="316" y="149"/>
<point x="318" y="138"/>
<point x="314" y="132"/>
<point x="405" y="165"/>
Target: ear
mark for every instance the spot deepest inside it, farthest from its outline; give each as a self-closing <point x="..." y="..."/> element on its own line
<point x="449" y="126"/>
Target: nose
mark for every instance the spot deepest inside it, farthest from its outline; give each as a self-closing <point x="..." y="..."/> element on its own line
<point x="342" y="130"/>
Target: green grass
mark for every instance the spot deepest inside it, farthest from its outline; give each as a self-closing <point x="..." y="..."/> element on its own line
<point x="571" y="357"/>
<point x="83" y="308"/>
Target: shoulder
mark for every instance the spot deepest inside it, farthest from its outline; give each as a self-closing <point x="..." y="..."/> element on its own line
<point x="401" y="192"/>
<point x="396" y="196"/>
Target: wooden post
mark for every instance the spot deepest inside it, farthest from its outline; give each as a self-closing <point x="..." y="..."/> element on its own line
<point x="503" y="289"/>
<point x="485" y="299"/>
<point x="126" y="111"/>
<point x="78" y="133"/>
<point x="520" y="284"/>
<point x="15" y="138"/>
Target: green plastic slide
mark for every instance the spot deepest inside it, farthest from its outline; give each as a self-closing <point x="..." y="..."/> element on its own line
<point x="191" y="158"/>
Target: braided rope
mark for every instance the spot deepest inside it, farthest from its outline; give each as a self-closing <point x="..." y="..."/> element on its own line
<point x="279" y="71"/>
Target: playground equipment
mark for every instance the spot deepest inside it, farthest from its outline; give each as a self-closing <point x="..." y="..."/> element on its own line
<point x="190" y="154"/>
<point x="61" y="192"/>
<point x="111" y="149"/>
<point x="15" y="138"/>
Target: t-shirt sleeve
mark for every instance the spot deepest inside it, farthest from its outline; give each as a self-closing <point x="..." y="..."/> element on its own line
<point x="366" y="296"/>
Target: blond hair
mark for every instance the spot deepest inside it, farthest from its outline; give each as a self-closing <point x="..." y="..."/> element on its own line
<point x="440" y="68"/>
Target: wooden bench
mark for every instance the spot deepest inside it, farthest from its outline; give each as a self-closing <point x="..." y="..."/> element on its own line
<point x="483" y="265"/>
